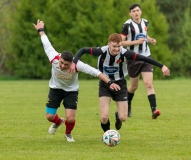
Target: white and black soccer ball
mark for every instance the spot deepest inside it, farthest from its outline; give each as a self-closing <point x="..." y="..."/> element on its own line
<point x="111" y="138"/>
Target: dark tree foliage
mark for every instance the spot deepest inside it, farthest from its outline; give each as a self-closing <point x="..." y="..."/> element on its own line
<point x="174" y="12"/>
<point x="178" y="15"/>
<point x="5" y="9"/>
<point x="181" y="60"/>
<point x="71" y="25"/>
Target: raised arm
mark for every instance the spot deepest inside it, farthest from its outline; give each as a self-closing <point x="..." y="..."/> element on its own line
<point x="48" y="48"/>
<point x="39" y="27"/>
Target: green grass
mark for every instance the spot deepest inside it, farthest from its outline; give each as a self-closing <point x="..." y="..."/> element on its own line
<point x="24" y="136"/>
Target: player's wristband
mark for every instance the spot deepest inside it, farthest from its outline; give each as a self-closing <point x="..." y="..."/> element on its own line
<point x="109" y="83"/>
<point x="40" y="30"/>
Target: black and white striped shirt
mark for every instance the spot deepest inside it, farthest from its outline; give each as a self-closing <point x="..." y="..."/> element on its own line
<point x="133" y="31"/>
<point x="114" y="67"/>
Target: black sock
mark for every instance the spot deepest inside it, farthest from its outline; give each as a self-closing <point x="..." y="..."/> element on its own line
<point x="152" y="101"/>
<point x="130" y="97"/>
<point x="106" y="126"/>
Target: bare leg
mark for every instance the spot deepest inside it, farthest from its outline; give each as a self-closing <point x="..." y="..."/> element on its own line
<point x="104" y="103"/>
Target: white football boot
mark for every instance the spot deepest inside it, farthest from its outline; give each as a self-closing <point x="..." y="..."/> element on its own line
<point x="54" y="127"/>
<point x="69" y="138"/>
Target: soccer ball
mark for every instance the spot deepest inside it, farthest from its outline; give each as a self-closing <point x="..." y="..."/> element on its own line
<point x="111" y="138"/>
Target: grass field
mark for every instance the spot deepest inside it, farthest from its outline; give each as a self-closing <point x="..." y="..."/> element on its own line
<point x="24" y="136"/>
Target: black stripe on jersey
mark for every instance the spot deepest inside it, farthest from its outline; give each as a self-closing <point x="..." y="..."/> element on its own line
<point x="111" y="61"/>
<point x="132" y="34"/>
<point x="140" y="31"/>
<point x="121" y="66"/>
<point x="101" y="61"/>
<point x="146" y="24"/>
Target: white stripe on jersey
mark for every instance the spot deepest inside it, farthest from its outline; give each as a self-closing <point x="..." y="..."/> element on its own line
<point x="145" y="48"/>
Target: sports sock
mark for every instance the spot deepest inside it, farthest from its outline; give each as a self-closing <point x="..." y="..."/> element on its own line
<point x="106" y="126"/>
<point x="152" y="101"/>
<point x="69" y="126"/>
<point x="130" y="97"/>
<point x="57" y="120"/>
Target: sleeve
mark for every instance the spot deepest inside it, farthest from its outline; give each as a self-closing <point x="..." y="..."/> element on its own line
<point x="133" y="56"/>
<point x="82" y="67"/>
<point x="125" y="29"/>
<point x="48" y="48"/>
<point x="93" y="51"/>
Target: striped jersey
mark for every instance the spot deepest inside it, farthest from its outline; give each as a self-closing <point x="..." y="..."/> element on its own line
<point x="134" y="31"/>
<point x="60" y="79"/>
<point x="114" y="67"/>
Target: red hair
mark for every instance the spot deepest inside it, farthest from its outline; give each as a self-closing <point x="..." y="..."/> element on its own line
<point x="115" y="37"/>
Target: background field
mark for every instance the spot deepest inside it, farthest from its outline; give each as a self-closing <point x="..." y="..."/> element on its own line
<point x="23" y="133"/>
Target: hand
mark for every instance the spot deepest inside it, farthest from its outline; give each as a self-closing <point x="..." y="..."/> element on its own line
<point x="40" y="24"/>
<point x="115" y="87"/>
<point x="165" y="71"/>
<point x="71" y="68"/>
<point x="141" y="40"/>
<point x="153" y="41"/>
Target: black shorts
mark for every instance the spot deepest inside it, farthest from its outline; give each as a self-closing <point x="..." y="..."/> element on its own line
<point x="56" y="96"/>
<point x="120" y="95"/>
<point x="136" y="67"/>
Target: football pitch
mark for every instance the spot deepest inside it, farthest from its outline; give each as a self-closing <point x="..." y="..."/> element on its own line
<point x="24" y="128"/>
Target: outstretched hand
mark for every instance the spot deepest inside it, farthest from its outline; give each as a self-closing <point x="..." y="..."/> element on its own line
<point x="165" y="71"/>
<point x="40" y="24"/>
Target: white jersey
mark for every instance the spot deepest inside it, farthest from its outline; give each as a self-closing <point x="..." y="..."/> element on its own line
<point x="59" y="78"/>
<point x="133" y="31"/>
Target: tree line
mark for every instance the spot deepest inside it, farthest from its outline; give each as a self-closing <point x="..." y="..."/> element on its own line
<point x="73" y="24"/>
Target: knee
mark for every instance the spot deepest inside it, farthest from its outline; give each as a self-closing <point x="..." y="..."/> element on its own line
<point x="123" y="117"/>
<point x="70" y="119"/>
<point x="148" y="85"/>
<point x="50" y="117"/>
<point x="104" y="119"/>
<point x="134" y="87"/>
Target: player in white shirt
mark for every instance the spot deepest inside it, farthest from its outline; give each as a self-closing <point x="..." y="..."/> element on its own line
<point x="64" y="86"/>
